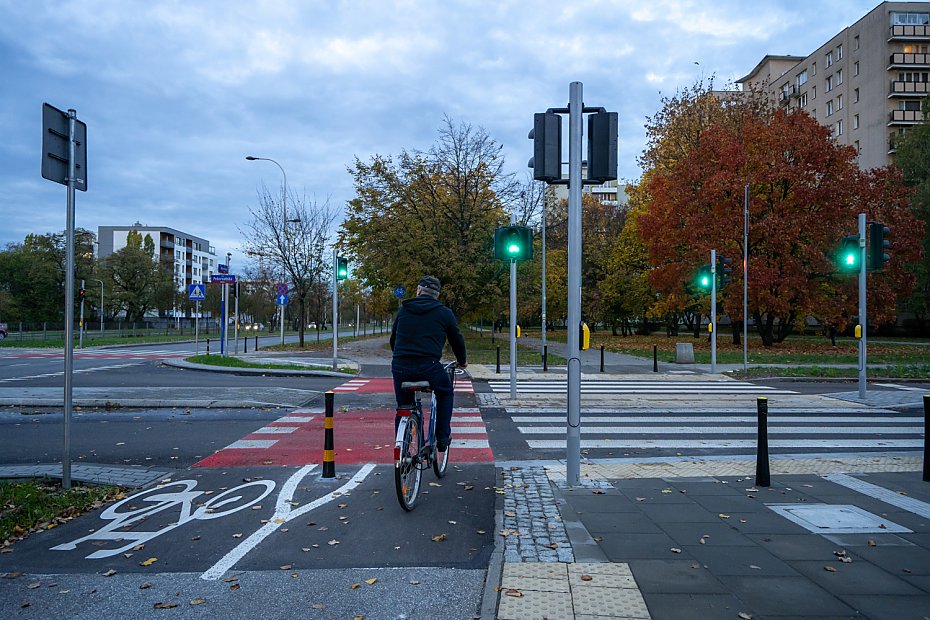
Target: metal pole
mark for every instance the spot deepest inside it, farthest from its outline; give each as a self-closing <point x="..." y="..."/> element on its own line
<point x="223" y="321"/>
<point x="237" y="316"/>
<point x="197" y="327"/>
<point x="573" y="431"/>
<point x="69" y="307"/>
<point x="81" y="321"/>
<point x="926" y="472"/>
<point x="513" y="321"/>
<point x="863" y="317"/>
<point x="357" y="317"/>
<point x="745" y="278"/>
<point x="544" y="323"/>
<point x="335" y="312"/>
<point x="713" y="311"/>
<point x="101" y="304"/>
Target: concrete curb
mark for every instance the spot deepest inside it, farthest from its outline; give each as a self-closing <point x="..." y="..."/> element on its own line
<point x="268" y="372"/>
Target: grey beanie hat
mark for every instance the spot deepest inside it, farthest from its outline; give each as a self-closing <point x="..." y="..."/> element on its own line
<point x="430" y="283"/>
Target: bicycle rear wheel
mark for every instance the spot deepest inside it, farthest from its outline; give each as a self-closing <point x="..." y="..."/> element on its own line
<point x="406" y="467"/>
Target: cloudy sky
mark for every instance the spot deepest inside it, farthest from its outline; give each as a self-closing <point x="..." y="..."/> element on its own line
<point x="175" y="94"/>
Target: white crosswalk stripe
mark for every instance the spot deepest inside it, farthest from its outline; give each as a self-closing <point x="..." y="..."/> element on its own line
<point x="628" y="386"/>
<point x="737" y="431"/>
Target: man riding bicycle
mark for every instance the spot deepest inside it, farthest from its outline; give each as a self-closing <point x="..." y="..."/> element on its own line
<point x="418" y="335"/>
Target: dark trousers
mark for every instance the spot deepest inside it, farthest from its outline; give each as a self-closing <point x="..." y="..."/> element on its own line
<point x="440" y="384"/>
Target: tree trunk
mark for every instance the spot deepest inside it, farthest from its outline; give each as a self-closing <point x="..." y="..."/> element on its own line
<point x="300" y="328"/>
<point x="765" y="329"/>
<point x="737" y="332"/>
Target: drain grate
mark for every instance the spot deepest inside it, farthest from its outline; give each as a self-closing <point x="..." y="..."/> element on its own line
<point x="836" y="519"/>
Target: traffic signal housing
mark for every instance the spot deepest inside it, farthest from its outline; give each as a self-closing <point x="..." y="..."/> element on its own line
<point x="602" y="146"/>
<point x="513" y="243"/>
<point x="546" y="135"/>
<point x="878" y="246"/>
<point x="342" y="268"/>
<point x="725" y="269"/>
<point x="850" y="255"/>
<point x="705" y="278"/>
<point x="81" y="294"/>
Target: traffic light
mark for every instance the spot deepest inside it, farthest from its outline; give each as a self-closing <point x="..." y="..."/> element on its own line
<point x="602" y="146"/>
<point x="849" y="255"/>
<point x="81" y="294"/>
<point x="878" y="246"/>
<point x="342" y="268"/>
<point x="704" y="278"/>
<point x="546" y="135"/>
<point x="513" y="243"/>
<point x="725" y="269"/>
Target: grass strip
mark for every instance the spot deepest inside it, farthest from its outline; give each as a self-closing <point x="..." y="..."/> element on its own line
<point x="235" y="362"/>
<point x="34" y="505"/>
<point x="919" y="371"/>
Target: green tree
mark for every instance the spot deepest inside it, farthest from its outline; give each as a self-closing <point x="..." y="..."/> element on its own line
<point x="137" y="281"/>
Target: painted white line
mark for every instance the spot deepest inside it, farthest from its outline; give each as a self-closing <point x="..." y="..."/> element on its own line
<point x="827" y="444"/>
<point x="471" y="429"/>
<point x="882" y="494"/>
<point x="298" y="419"/>
<point x="902" y="387"/>
<point x="252" y="443"/>
<point x="471" y="443"/>
<point x="282" y="514"/>
<point x="774" y="419"/>
<point x="731" y="430"/>
<point x="275" y="430"/>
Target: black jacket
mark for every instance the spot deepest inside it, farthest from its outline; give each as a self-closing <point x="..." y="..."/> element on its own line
<point x="420" y="330"/>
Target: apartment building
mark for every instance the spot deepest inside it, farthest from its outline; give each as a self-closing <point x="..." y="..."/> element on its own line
<point x="191" y="259"/>
<point x="609" y="192"/>
<point x="866" y="83"/>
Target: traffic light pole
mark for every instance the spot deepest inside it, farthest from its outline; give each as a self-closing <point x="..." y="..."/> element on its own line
<point x="573" y="432"/>
<point x="863" y="231"/>
<point x="81" y="319"/>
<point x="513" y="321"/>
<point x="713" y="310"/>
<point x="335" y="311"/>
<point x="69" y="305"/>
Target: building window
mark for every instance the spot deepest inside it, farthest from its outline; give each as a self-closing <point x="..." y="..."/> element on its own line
<point x="839" y="128"/>
<point x="912" y="105"/>
<point x="858" y="148"/>
<point x="856" y="68"/>
<point x="855" y="95"/>
<point x="802" y="78"/>
<point x="829" y="58"/>
<point x="839" y="102"/>
<point x="914" y="48"/>
<point x="839" y="77"/>
<point x="855" y="121"/>
<point x="856" y="42"/>
<point x="910" y="19"/>
<point x="839" y="52"/>
<point x="784" y="90"/>
<point x="813" y="92"/>
<point x="830" y="108"/>
<point x="828" y="83"/>
<point x="802" y="103"/>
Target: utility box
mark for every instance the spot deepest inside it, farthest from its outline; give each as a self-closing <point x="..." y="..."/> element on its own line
<point x="684" y="353"/>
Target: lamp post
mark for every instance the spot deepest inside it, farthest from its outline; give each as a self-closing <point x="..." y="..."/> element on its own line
<point x="283" y="222"/>
<point x="101" y="303"/>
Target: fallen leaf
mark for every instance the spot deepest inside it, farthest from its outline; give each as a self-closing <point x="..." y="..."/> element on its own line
<point x="586" y="577"/>
<point x="744" y="616"/>
<point x="138" y="548"/>
<point x="754" y="567"/>
<point x="829" y="569"/>
<point x="305" y="548"/>
<point x="597" y="492"/>
<point x="34" y="585"/>
<point x="355" y="586"/>
<point x="723" y="516"/>
<point x="515" y="468"/>
<point x="286" y="567"/>
<point x="148" y="562"/>
<point x="12" y="575"/>
<point x="514" y="593"/>
<point x="438" y="538"/>
<point x="145" y="585"/>
<point x="318" y="606"/>
<point x="333" y="542"/>
<point x="109" y="573"/>
<point x="414" y="582"/>
<point x="872" y="543"/>
<point x="231" y="579"/>
<point x="372" y="581"/>
<point x="195" y="538"/>
<point x="257" y="507"/>
<point x="481" y="532"/>
<point x="234" y="586"/>
<point x="165" y="605"/>
<point x="452" y="522"/>
<point x="695" y="565"/>
<point x="237" y="535"/>
<point x="198" y="601"/>
<point x="675" y="550"/>
<point x="640" y="499"/>
<point x="666" y="491"/>
<point x="25" y="604"/>
<point x="435" y="484"/>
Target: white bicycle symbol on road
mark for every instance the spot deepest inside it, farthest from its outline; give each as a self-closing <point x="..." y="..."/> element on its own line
<point x="125" y="512"/>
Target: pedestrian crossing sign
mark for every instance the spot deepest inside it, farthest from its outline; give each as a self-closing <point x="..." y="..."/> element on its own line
<point x="195" y="292"/>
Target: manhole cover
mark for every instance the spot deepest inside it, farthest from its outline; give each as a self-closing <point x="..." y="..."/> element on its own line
<point x="836" y="519"/>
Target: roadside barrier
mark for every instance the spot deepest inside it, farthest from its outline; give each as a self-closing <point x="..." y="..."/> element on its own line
<point x="763" y="477"/>
<point x="329" y="458"/>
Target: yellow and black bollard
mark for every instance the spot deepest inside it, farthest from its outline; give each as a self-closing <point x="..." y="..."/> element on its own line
<point x="329" y="458"/>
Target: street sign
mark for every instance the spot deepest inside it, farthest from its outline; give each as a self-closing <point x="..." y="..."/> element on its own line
<point x="282" y="299"/>
<point x="196" y="292"/>
<point x="223" y="278"/>
<point x="281" y="288"/>
<point x="400" y="291"/>
<point x="221" y="268"/>
<point x="56" y="150"/>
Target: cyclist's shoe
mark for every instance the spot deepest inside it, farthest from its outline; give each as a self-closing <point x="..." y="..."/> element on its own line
<point x="441" y="445"/>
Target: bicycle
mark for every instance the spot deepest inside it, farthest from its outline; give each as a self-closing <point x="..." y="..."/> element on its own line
<point x="414" y="450"/>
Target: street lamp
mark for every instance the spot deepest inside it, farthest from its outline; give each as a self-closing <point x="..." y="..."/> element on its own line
<point x="101" y="303"/>
<point x="283" y="221"/>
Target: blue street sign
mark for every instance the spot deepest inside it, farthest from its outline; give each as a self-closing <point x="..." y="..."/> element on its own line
<point x="400" y="291"/>
<point x="281" y="299"/>
<point x="196" y="292"/>
<point x="223" y="278"/>
<point x="221" y="268"/>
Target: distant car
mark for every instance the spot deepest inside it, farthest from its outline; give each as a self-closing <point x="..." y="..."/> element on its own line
<point x="311" y="325"/>
<point x="4" y="332"/>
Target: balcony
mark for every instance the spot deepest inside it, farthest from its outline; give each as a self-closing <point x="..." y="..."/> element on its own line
<point x="900" y="60"/>
<point x="905" y="89"/>
<point x="909" y="32"/>
<point x="905" y="117"/>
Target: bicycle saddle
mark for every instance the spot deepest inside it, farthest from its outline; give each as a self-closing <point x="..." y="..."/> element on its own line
<point x="415" y="385"/>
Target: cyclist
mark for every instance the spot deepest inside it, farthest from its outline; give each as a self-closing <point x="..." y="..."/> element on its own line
<point x="418" y="335"/>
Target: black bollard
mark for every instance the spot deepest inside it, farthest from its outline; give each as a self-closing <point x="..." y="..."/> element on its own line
<point x="255" y="348"/>
<point x="655" y="358"/>
<point x="545" y="358"/>
<point x="763" y="477"/>
<point x="602" y="358"/>
<point x="208" y="346"/>
<point x="498" y="360"/>
<point x="329" y="458"/>
<point x="245" y="344"/>
<point x="926" y="445"/>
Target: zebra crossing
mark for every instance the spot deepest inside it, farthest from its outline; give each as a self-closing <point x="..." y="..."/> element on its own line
<point x="637" y="386"/>
<point x="141" y="353"/>
<point x="665" y="434"/>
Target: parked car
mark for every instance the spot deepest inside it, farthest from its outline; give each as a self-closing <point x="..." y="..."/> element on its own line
<point x="4" y="331"/>
<point x="311" y="325"/>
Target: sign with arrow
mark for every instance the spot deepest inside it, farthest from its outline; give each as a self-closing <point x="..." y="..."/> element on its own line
<point x="282" y="299"/>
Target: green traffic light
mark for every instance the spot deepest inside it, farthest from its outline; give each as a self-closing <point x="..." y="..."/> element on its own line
<point x="513" y="248"/>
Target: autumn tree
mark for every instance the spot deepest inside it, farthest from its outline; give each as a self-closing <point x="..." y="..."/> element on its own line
<point x="137" y="282"/>
<point x="432" y="212"/>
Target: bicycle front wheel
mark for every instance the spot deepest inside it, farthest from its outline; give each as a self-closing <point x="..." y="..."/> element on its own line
<point x="406" y="467"/>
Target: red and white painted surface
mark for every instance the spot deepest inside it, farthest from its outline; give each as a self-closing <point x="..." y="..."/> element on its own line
<point x="360" y="436"/>
<point x="386" y="385"/>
